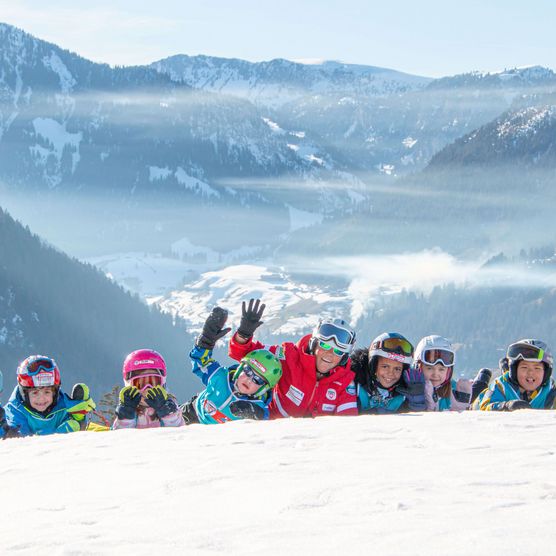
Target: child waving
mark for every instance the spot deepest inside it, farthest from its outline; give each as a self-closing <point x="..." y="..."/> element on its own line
<point x="241" y="391"/>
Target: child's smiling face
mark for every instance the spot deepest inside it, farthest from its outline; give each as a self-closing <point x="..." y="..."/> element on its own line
<point x="41" y="398"/>
<point x="388" y="372"/>
<point x="435" y="374"/>
<point x="530" y="375"/>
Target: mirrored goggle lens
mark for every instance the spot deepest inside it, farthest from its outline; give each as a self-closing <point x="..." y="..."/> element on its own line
<point x="143" y="382"/>
<point x="343" y="337"/>
<point x="253" y="376"/>
<point x="434" y="356"/>
<point x="40" y="364"/>
<point x="525" y="351"/>
<point x="397" y="345"/>
<point x="329" y="347"/>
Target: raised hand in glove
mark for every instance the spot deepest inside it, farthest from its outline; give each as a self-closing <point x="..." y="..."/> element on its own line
<point x="414" y="389"/>
<point x="9" y="432"/>
<point x="158" y="399"/>
<point x="513" y="405"/>
<point x="81" y="394"/>
<point x="246" y="410"/>
<point x="250" y="318"/>
<point x="129" y="399"/>
<point x="213" y="328"/>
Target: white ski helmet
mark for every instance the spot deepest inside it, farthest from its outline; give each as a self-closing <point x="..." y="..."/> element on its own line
<point x="436" y="349"/>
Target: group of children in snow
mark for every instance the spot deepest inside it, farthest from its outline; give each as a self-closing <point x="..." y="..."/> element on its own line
<point x="321" y="374"/>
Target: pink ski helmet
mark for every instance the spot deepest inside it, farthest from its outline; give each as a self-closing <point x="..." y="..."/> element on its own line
<point x="141" y="360"/>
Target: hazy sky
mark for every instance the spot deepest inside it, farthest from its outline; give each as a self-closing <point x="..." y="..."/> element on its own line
<point x="427" y="37"/>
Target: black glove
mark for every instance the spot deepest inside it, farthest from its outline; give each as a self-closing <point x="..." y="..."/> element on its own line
<point x="9" y="432"/>
<point x="158" y="399"/>
<point x="129" y="400"/>
<point x="250" y="318"/>
<point x="188" y="411"/>
<point x="480" y="383"/>
<point x="512" y="405"/>
<point x="213" y="328"/>
<point x="247" y="410"/>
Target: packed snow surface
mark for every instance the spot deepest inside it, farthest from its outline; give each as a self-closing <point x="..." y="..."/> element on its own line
<point x="430" y="484"/>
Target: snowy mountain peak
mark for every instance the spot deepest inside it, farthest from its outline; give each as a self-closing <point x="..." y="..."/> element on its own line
<point x="276" y="82"/>
<point x="527" y="73"/>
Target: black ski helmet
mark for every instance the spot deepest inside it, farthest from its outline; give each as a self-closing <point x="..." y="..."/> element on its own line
<point x="529" y="350"/>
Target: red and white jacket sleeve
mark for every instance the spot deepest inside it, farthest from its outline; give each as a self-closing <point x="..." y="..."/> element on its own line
<point x="347" y="401"/>
<point x="238" y="351"/>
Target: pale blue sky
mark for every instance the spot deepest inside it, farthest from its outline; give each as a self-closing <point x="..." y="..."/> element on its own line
<point x="427" y="37"/>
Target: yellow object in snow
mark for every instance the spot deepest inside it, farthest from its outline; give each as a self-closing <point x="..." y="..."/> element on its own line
<point x="95" y="427"/>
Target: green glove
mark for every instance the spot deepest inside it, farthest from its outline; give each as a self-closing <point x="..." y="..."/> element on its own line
<point x="158" y="399"/>
<point x="130" y="398"/>
<point x="81" y="394"/>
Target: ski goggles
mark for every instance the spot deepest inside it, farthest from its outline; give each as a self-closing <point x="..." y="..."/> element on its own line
<point x="528" y="352"/>
<point x="434" y="356"/>
<point x="394" y="345"/>
<point x="37" y="365"/>
<point x="252" y="375"/>
<point x="142" y="381"/>
<point x="342" y="337"/>
<point x="328" y="347"/>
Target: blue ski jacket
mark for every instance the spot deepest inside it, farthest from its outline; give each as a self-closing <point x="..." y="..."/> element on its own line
<point x="503" y="390"/>
<point x="30" y="422"/>
<point x="212" y="405"/>
<point x="381" y="401"/>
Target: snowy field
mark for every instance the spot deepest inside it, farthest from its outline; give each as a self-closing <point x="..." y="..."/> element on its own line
<point x="430" y="484"/>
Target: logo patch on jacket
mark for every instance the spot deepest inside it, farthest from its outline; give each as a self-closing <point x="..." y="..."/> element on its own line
<point x="351" y="389"/>
<point x="328" y="407"/>
<point x="295" y="395"/>
<point x="331" y="394"/>
<point x="280" y="353"/>
<point x="209" y="407"/>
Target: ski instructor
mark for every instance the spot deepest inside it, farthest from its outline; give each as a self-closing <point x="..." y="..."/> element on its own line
<point x="316" y="378"/>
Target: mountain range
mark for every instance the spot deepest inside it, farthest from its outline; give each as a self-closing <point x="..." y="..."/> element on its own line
<point x="227" y="153"/>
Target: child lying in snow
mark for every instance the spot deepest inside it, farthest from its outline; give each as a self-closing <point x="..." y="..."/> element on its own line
<point x="435" y="358"/>
<point x="38" y="406"/>
<point x="242" y="391"/>
<point x="144" y="402"/>
<point x="526" y="385"/>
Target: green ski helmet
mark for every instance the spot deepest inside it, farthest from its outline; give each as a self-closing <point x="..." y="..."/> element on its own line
<point x="264" y="364"/>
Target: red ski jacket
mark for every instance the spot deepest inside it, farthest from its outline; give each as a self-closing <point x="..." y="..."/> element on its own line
<point x="298" y="393"/>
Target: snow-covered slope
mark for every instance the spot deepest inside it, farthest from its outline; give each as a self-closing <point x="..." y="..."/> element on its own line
<point x="294" y="306"/>
<point x="519" y="138"/>
<point x="420" y="484"/>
